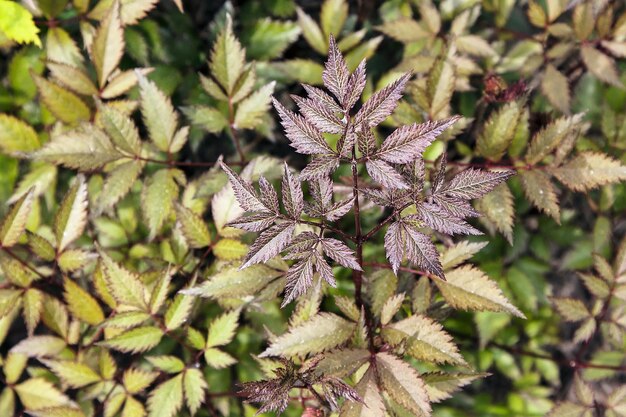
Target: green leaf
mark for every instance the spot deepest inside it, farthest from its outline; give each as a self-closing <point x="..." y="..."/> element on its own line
<point x="63" y="104"/>
<point x="81" y="304"/>
<point x="86" y="148"/>
<point x="159" y="293"/>
<point x="125" y="286"/>
<point x="250" y="110"/>
<point x="541" y="192"/>
<point x="218" y="359"/>
<point x="268" y="38"/>
<point x="38" y="393"/>
<point x="32" y="304"/>
<point x="41" y="177"/>
<point x="403" y="384"/>
<point x="52" y="8"/>
<point x="16" y="136"/>
<point x="157" y="200"/>
<point x="600" y="65"/>
<point x="178" y="311"/>
<point x="117" y="184"/>
<point x="441" y="385"/>
<point x="14" y="222"/>
<point x="340" y="363"/>
<point x="498" y="208"/>
<point x="131" y="11"/>
<point x="166" y="399"/>
<point x="57" y="412"/>
<point x="549" y="138"/>
<point x="589" y="170"/>
<point x="195" y="387"/>
<point x="323" y="331"/>
<point x="460" y="252"/>
<point x="16" y="23"/>
<point x="439" y="88"/>
<point x="229" y="249"/>
<point x="555" y="87"/>
<point x="13" y="366"/>
<point x="312" y="32"/>
<point x="167" y="363"/>
<point x="233" y="282"/>
<point x="71" y="218"/>
<point x="135" y="340"/>
<point x="158" y="114"/>
<point x="72" y="77"/>
<point x="571" y="309"/>
<point x="468" y="288"/>
<point x="425" y="340"/>
<point x="227" y="58"/>
<point x="207" y="117"/>
<point x="121" y="129"/>
<point x="136" y="380"/>
<point x="40" y="346"/>
<point x="499" y="131"/>
<point x="222" y="329"/>
<point x="193" y="227"/>
<point x="61" y="48"/>
<point x="372" y="405"/>
<point x="74" y="259"/>
<point x="333" y="15"/>
<point x="107" y="47"/>
<point x="74" y="374"/>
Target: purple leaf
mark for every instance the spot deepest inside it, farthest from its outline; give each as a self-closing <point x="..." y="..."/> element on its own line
<point x="394" y="245"/>
<point x="293" y="199"/>
<point x="269" y="243"/>
<point x="385" y="174"/>
<point x="336" y="74"/>
<point x="454" y="206"/>
<point x="382" y="103"/>
<point x="244" y="192"/>
<point x="253" y="223"/>
<point x="316" y="113"/>
<point x="321" y="96"/>
<point x="345" y="144"/>
<point x="302" y="245"/>
<point x="339" y="209"/>
<point x="304" y="137"/>
<point x="356" y="84"/>
<point x="366" y="141"/>
<point x="299" y="279"/>
<point x="325" y="271"/>
<point x="474" y="183"/>
<point x="440" y="220"/>
<point x="268" y="195"/>
<point x="441" y="174"/>
<point x="340" y="253"/>
<point x="320" y="166"/>
<point x="322" y="191"/>
<point x="421" y="251"/>
<point x="407" y="142"/>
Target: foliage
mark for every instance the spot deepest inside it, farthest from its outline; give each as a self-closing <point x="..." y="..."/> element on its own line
<point x="165" y="252"/>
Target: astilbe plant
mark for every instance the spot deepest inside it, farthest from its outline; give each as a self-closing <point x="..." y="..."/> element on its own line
<point x="392" y="176"/>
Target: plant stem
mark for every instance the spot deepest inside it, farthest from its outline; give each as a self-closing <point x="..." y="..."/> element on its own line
<point x="233" y="131"/>
<point x="357" y="276"/>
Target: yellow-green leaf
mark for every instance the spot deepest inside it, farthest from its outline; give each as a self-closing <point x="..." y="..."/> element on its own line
<point x="195" y="387"/>
<point x="125" y="286"/>
<point x="81" y="304"/>
<point x="312" y="32"/>
<point x="32" y="307"/>
<point x="108" y="44"/>
<point x="157" y="200"/>
<point x="499" y="210"/>
<point x="227" y="58"/>
<point x="72" y="77"/>
<point x="251" y="109"/>
<point x="63" y="104"/>
<point x="16" y="136"/>
<point x="193" y="227"/>
<point x="14" y="222"/>
<point x="17" y="23"/>
<point x="135" y="340"/>
<point x="71" y="218"/>
<point x="74" y="374"/>
<point x="499" y="131"/>
<point x="166" y="399"/>
<point x="589" y="170"/>
<point x="222" y="329"/>
<point x="38" y="393"/>
<point x="541" y="192"/>
<point x="230" y="249"/>
<point x="218" y="359"/>
<point x="600" y="65"/>
<point x="158" y="114"/>
<point x="136" y="380"/>
<point x="555" y="87"/>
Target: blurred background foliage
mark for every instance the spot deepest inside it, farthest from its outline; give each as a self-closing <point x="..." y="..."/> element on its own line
<point x="540" y="86"/>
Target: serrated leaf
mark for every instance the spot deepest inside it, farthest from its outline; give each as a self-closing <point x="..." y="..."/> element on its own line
<point x="16" y="136"/>
<point x="340" y="363"/>
<point x="571" y="309"/>
<point x="340" y="253"/>
<point x="107" y="47"/>
<point x="121" y="129"/>
<point x="227" y="58"/>
<point x="74" y="259"/>
<point x="230" y="249"/>
<point x="440" y="86"/>
<point x="473" y="183"/>
<point x="232" y="282"/>
<point x="312" y="32"/>
<point x="167" y="363"/>
<point x="86" y="148"/>
<point x="541" y="192"/>
<point x="385" y="174"/>
<point x="209" y="118"/>
<point x="121" y="82"/>
<point x="405" y="30"/>
<point x="81" y="304"/>
<point x="117" y="184"/>
<point x="336" y="74"/>
<point x="390" y="308"/>
<point x="555" y="87"/>
<point x="166" y="399"/>
<point x="372" y="405"/>
<point x="32" y="304"/>
<point x="589" y="170"/>
<point x="322" y="332"/>
<point x="425" y="340"/>
<point x="63" y="104"/>
<point x="293" y="199"/>
<point x="421" y="251"/>
<point x="408" y="142"/>
<point x="131" y="11"/>
<point x="159" y="292"/>
<point x="71" y="217"/>
<point x="17" y="23"/>
<point x="74" y="374"/>
<point x="157" y="200"/>
<point x="72" y="77"/>
<point x="244" y="192"/>
<point x="440" y="385"/>
<point x="14" y="222"/>
<point x="57" y="412"/>
<point x="468" y="288"/>
<point x="218" y="359"/>
<point x="499" y="131"/>
<point x="125" y="286"/>
<point x="193" y="227"/>
<point x="498" y="208"/>
<point x="222" y="329"/>
<point x="382" y="103"/>
<point x="303" y="135"/>
<point x="568" y="409"/>
<point x="40" y="346"/>
<point x="600" y="65"/>
<point x="269" y="243"/>
<point x="136" y="380"/>
<point x="440" y="220"/>
<point x="550" y="137"/>
<point x="251" y="109"/>
<point x="13" y="366"/>
<point x="319" y="115"/>
<point x="459" y="253"/>
<point x="158" y="114"/>
<point x="178" y="312"/>
<point x="403" y="384"/>
<point x="194" y="386"/>
<point x="38" y="393"/>
<point x="136" y="340"/>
